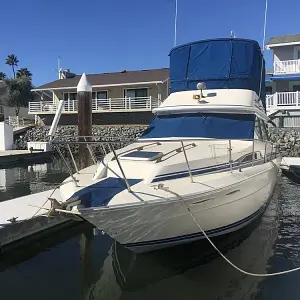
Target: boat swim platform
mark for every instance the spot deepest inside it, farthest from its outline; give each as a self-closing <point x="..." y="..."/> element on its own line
<point x="21" y="218"/>
<point x="11" y="158"/>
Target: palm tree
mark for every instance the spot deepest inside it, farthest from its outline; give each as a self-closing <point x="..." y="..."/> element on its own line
<point x="2" y="75"/>
<point x="12" y="61"/>
<point x="23" y="72"/>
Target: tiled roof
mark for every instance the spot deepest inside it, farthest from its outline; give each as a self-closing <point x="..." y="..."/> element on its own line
<point x="284" y="39"/>
<point x="111" y="78"/>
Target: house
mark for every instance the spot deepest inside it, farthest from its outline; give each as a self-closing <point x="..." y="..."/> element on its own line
<point x="126" y="97"/>
<point x="283" y="87"/>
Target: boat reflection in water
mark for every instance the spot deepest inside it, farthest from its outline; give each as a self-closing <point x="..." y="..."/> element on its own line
<point x="193" y="269"/>
<point x="78" y="265"/>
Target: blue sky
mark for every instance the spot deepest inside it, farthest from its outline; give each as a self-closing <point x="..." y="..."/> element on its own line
<point x="95" y="36"/>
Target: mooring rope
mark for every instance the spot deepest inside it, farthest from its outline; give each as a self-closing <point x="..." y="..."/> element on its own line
<point x="48" y="199"/>
<point x="235" y="266"/>
<point x="221" y="254"/>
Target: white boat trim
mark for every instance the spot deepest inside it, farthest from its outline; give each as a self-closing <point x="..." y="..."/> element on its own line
<point x="235" y="109"/>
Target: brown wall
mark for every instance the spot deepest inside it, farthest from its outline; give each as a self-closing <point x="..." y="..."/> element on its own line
<point x="118" y="91"/>
<point x="111" y="118"/>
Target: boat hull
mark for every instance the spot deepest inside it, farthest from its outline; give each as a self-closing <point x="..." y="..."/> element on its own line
<point x="151" y="226"/>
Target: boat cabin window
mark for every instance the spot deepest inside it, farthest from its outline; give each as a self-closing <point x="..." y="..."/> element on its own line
<point x="248" y="157"/>
<point x="141" y="155"/>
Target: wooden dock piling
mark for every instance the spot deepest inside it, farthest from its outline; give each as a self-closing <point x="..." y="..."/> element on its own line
<point x="84" y="97"/>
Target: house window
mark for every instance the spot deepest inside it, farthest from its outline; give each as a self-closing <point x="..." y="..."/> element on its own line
<point x="297" y="52"/>
<point x="70" y="96"/>
<point x="268" y="90"/>
<point x="296" y="88"/>
<point x="101" y="100"/>
<point x="136" y="93"/>
<point x="1" y="109"/>
<point x="135" y="98"/>
<point x="100" y="95"/>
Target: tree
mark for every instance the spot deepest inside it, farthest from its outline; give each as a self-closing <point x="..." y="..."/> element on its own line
<point x="2" y="75"/>
<point x="12" y="61"/>
<point x="23" y="72"/>
<point x="19" y="92"/>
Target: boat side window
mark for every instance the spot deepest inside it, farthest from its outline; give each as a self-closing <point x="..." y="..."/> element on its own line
<point x="265" y="132"/>
<point x="257" y="130"/>
<point x="261" y="130"/>
<point x="248" y="158"/>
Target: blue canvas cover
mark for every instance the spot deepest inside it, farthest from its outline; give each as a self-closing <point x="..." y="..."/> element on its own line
<point x="207" y="125"/>
<point x="220" y="63"/>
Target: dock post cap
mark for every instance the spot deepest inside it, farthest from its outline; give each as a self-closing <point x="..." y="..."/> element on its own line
<point x="83" y="84"/>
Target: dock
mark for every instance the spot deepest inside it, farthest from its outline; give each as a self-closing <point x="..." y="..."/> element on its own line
<point x="22" y="129"/>
<point x="10" y="158"/>
<point x="21" y="217"/>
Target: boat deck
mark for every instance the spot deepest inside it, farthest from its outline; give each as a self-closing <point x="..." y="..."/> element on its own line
<point x="180" y="186"/>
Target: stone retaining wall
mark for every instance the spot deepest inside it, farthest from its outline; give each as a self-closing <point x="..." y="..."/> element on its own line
<point x="67" y="132"/>
<point x="287" y="140"/>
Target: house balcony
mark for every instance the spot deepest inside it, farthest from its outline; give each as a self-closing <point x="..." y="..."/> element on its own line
<point x="287" y="67"/>
<point x="283" y="101"/>
<point x="98" y="105"/>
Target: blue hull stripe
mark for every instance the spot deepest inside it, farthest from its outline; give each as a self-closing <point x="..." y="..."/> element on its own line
<point x="210" y="169"/>
<point x="180" y="174"/>
<point x="199" y="234"/>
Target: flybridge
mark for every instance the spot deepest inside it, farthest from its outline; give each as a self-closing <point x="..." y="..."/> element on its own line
<point x="227" y="63"/>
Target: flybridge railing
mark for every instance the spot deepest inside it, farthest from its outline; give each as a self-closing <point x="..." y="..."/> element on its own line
<point x="246" y="160"/>
<point x="287" y="66"/>
<point x="98" y="105"/>
<point x="288" y="100"/>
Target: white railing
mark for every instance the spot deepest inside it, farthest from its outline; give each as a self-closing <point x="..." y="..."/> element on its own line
<point x="42" y="106"/>
<point x="257" y="156"/>
<point x="286" y="100"/>
<point x="287" y="66"/>
<point x="15" y="121"/>
<point x="98" y="105"/>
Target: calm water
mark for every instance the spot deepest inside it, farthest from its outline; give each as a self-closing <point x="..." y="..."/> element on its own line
<point x="74" y="264"/>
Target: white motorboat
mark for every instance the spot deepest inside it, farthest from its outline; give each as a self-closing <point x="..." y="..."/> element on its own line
<point x="205" y="159"/>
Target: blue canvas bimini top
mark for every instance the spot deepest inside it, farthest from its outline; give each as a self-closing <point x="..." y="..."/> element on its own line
<point x="220" y="63"/>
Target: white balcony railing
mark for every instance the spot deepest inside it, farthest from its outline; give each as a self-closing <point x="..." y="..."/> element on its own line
<point x="98" y="105"/>
<point x="285" y="100"/>
<point x="287" y="67"/>
<point x="15" y="121"/>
